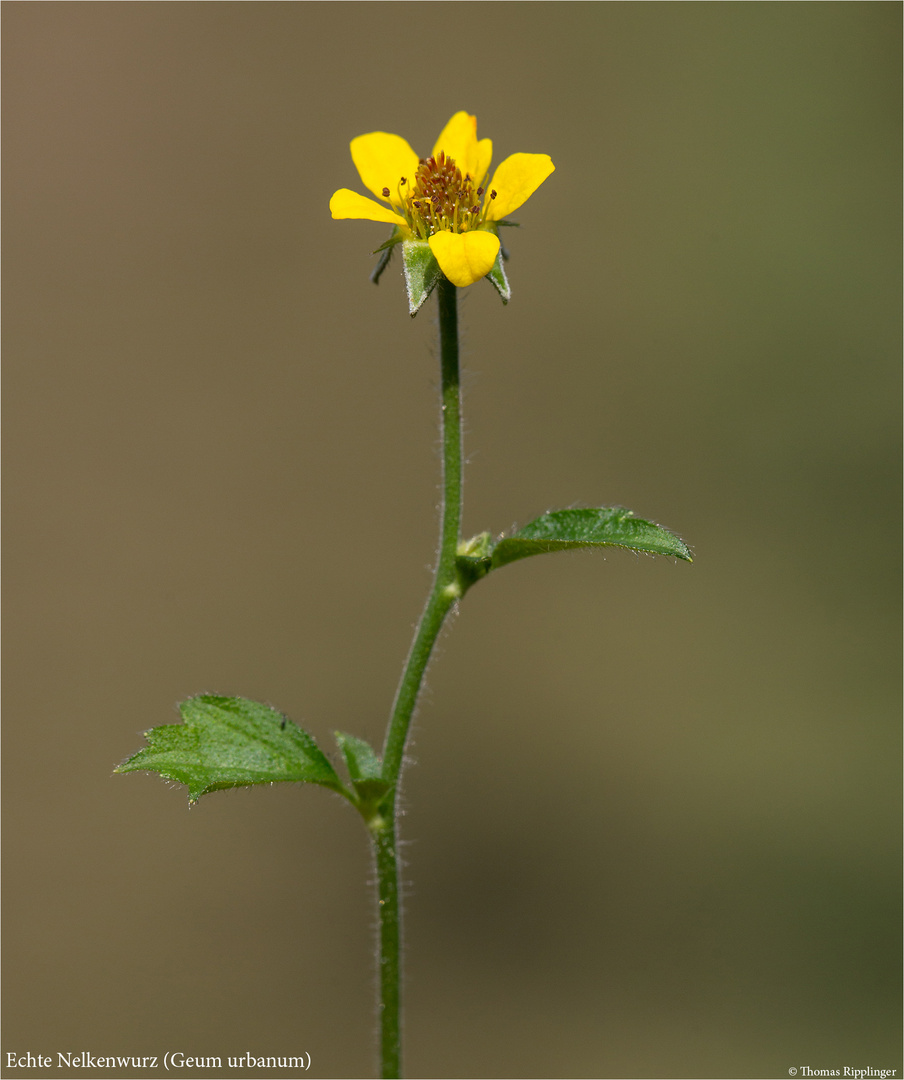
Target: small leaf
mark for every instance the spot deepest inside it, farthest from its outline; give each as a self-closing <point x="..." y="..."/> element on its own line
<point x="365" y="770"/>
<point x="422" y="272"/>
<point x="229" y="742"/>
<point x="472" y="560"/>
<point x="360" y="757"/>
<point x="562" y="530"/>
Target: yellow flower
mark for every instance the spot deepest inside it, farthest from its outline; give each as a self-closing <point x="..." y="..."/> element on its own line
<point x="441" y="199"/>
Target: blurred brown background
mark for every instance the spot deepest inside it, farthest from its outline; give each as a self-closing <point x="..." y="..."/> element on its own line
<point x="652" y="828"/>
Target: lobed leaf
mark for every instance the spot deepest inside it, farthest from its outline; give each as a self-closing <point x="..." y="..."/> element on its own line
<point x="227" y="742"/>
<point x="563" y="530"/>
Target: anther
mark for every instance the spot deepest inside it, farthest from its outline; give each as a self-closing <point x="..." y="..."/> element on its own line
<point x="493" y="194"/>
<point x="386" y="193"/>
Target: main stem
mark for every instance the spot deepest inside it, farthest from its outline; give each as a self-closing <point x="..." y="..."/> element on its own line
<point x="443" y="595"/>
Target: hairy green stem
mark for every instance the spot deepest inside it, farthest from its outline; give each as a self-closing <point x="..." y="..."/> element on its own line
<point x="442" y="598"/>
<point x="384" y="840"/>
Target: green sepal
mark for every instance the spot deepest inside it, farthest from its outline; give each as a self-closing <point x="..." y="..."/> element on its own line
<point x="385" y="251"/>
<point x="395" y="237"/>
<point x="365" y="770"/>
<point x="563" y="530"/>
<point x="422" y="273"/>
<point x="503" y="250"/>
<point x="227" y="742"/>
<point x="496" y="277"/>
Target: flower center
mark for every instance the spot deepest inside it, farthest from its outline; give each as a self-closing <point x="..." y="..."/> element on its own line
<point x="439" y="198"/>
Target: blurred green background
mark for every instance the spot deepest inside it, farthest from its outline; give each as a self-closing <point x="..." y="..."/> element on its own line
<point x="652" y="828"/>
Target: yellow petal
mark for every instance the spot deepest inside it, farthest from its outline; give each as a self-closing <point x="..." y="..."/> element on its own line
<point x="349" y="204"/>
<point x="484" y="157"/>
<point x="516" y="179"/>
<point x="458" y="140"/>
<point x="465" y="257"/>
<point x="382" y="160"/>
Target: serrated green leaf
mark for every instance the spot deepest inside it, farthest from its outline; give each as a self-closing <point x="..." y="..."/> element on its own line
<point x="563" y="530"/>
<point x="227" y="742"/>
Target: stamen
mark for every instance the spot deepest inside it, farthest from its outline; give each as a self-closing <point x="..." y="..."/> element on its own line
<point x="442" y="198"/>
